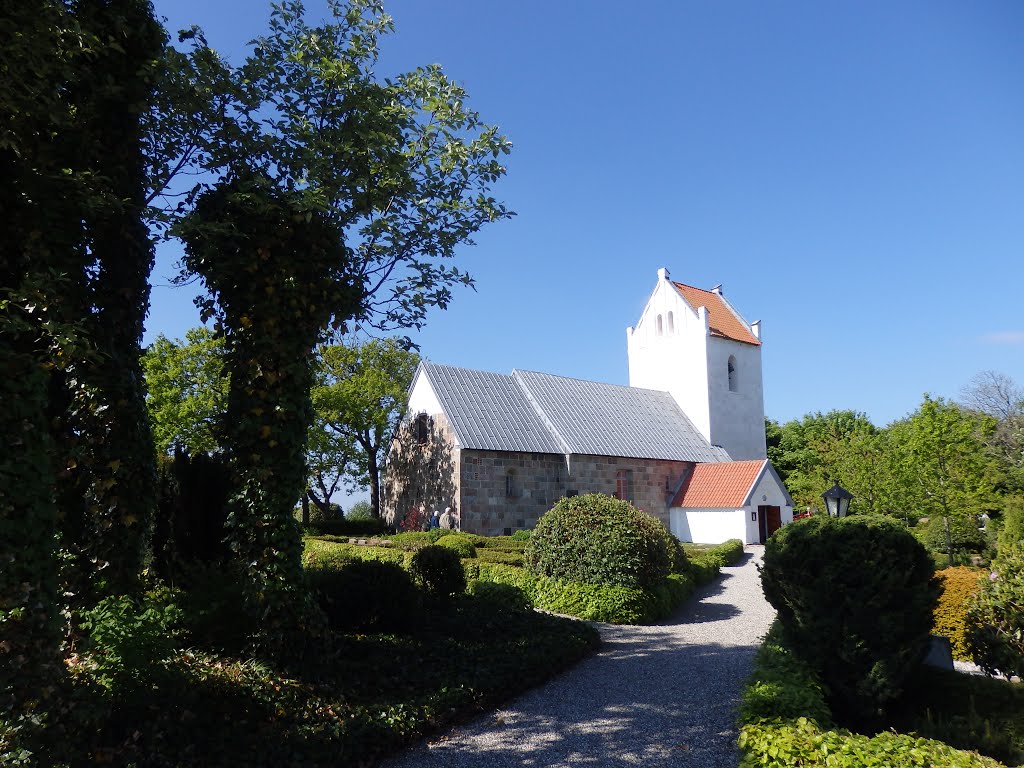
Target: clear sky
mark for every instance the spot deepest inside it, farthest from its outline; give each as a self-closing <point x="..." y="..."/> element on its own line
<point x="851" y="172"/>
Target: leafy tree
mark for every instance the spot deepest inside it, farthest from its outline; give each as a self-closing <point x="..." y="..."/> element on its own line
<point x="997" y="395"/>
<point x="821" y="449"/>
<point x="186" y="391"/>
<point x="995" y="622"/>
<point x="402" y="166"/>
<point x="338" y="199"/>
<point x="292" y="260"/>
<point x="360" y="397"/>
<point x="943" y="468"/>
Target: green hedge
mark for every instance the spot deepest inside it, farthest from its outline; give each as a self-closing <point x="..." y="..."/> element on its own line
<point x="785" y="722"/>
<point x="611" y="604"/>
<point x="326" y="554"/>
<point x="704" y="564"/>
<point x="489" y="555"/>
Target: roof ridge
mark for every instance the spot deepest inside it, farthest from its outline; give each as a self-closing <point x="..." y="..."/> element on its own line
<point x="541" y="413"/>
<point x="516" y="371"/>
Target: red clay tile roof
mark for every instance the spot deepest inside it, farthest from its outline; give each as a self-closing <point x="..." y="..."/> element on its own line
<point x="722" y="320"/>
<point x="719" y="485"/>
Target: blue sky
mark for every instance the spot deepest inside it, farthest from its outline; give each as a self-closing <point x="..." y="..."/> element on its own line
<point x="852" y="173"/>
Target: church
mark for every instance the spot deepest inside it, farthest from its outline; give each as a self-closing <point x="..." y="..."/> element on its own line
<point x="684" y="441"/>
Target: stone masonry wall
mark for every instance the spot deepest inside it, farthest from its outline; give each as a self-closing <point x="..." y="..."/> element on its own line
<point x="491" y="504"/>
<point x="421" y="474"/>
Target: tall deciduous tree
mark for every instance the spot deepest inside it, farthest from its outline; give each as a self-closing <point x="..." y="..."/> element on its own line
<point x="944" y="470"/>
<point x="361" y="396"/>
<point x="997" y="395"/>
<point x="187" y="391"/>
<point x="398" y="172"/>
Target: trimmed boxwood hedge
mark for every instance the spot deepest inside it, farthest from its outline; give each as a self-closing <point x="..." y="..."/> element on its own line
<point x="460" y="543"/>
<point x="785" y="722"/>
<point x="615" y="605"/>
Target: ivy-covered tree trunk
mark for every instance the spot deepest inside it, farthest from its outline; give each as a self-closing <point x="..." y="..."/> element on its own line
<point x="30" y="631"/>
<point x="276" y="272"/>
<point x="121" y="495"/>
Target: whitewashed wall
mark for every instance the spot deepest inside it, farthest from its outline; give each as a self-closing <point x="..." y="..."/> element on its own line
<point x="711" y="526"/>
<point x="674" y="361"/>
<point x="686" y="361"/>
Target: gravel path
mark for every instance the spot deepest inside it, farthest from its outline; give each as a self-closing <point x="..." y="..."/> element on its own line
<point x="662" y="695"/>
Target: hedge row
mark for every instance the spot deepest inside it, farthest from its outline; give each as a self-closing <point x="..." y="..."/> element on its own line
<point x="611" y="604"/>
<point x="785" y="722"/>
<point x="705" y="564"/>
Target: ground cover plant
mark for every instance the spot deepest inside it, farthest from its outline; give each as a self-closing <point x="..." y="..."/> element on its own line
<point x="786" y="722"/>
<point x="147" y="689"/>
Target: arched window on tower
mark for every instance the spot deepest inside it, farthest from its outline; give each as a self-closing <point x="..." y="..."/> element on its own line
<point x="657" y="326"/>
<point x="510" y="484"/>
<point x="671" y="323"/>
<point x="733" y="383"/>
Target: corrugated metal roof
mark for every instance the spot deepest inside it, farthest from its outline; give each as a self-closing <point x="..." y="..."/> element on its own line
<point x="541" y="413"/>
<point x="489" y="411"/>
<point x="613" y="420"/>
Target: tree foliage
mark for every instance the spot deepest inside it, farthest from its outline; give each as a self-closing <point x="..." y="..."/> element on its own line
<point x="402" y="166"/>
<point x="360" y="398"/>
<point x="186" y="391"/>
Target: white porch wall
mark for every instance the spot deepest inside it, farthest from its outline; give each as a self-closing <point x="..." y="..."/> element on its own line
<point x="770" y="493"/>
<point x="711" y="526"/>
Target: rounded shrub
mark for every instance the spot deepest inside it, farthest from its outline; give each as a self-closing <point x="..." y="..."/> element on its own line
<point x="438" y="570"/>
<point x="459" y="543"/>
<point x="855" y="598"/>
<point x="995" y="623"/>
<point x="598" y="539"/>
<point x="366" y="596"/>
<point x="959" y="586"/>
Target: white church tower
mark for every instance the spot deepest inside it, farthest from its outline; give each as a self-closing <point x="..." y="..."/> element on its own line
<point x="695" y="345"/>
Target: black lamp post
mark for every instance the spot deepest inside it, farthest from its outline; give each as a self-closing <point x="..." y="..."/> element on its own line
<point x="837" y="500"/>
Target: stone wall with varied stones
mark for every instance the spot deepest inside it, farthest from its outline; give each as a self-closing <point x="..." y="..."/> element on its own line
<point x="418" y="474"/>
<point x="505" y="491"/>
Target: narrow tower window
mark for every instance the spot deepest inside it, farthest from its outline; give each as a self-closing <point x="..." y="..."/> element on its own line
<point x="657" y="326"/>
<point x="510" y="484"/>
<point x="733" y="384"/>
<point x="422" y="428"/>
<point x="671" y="323"/>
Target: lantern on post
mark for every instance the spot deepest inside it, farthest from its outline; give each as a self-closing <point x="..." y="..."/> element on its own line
<point x="837" y="500"/>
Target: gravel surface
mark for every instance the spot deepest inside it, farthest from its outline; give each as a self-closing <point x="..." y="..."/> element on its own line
<point x="662" y="695"/>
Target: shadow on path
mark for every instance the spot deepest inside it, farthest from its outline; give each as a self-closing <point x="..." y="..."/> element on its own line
<point x="661" y="695"/>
